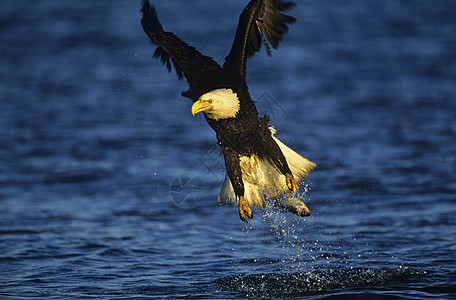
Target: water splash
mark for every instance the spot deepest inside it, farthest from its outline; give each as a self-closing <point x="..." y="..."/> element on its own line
<point x="284" y="285"/>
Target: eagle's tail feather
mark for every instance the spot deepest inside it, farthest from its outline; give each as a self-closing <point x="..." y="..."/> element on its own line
<point x="299" y="166"/>
<point x="262" y="178"/>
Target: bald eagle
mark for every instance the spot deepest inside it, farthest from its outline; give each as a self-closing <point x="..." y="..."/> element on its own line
<point x="257" y="163"/>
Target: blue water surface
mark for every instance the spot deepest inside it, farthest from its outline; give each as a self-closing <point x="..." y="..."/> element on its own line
<point x="108" y="184"/>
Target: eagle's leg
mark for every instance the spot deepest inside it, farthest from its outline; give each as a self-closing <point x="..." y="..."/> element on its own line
<point x="291" y="182"/>
<point x="244" y="209"/>
<point x="234" y="171"/>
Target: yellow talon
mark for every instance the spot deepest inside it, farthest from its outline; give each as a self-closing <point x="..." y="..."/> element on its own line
<point x="244" y="209"/>
<point x="291" y="183"/>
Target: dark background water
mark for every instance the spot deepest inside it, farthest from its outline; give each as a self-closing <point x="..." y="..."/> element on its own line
<point x="108" y="184"/>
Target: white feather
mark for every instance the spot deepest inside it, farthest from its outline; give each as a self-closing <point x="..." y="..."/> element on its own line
<point x="262" y="179"/>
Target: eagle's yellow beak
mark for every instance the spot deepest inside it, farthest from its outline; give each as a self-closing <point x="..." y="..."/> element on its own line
<point x="199" y="106"/>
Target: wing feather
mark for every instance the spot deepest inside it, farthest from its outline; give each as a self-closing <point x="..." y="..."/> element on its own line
<point x="173" y="52"/>
<point x="261" y="22"/>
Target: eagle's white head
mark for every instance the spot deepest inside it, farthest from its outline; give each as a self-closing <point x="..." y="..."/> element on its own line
<point x="218" y="104"/>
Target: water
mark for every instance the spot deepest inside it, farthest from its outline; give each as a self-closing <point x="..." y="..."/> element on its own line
<point x="109" y="185"/>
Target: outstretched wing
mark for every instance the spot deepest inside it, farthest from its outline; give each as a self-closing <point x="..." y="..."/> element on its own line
<point x="262" y="21"/>
<point x="172" y="51"/>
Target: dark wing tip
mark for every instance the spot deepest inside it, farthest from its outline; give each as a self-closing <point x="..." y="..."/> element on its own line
<point x="270" y="26"/>
<point x="146" y="7"/>
<point x="287" y="6"/>
<point x="152" y="26"/>
<point x="149" y="17"/>
<point x="167" y="60"/>
<point x="275" y="22"/>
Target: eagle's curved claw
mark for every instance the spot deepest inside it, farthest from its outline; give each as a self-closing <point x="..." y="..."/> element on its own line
<point x="291" y="183"/>
<point x="244" y="209"/>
